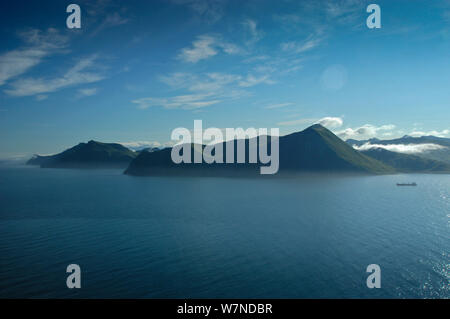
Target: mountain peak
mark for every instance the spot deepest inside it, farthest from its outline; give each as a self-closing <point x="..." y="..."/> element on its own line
<point x="315" y="127"/>
<point x="90" y="154"/>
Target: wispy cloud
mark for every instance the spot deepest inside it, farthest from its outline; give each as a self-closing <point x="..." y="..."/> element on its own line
<point x="186" y="102"/>
<point x="214" y="83"/>
<point x="101" y="15"/>
<point x="38" y="45"/>
<point x="81" y="73"/>
<point x="324" y="14"/>
<point x="111" y="20"/>
<point x="315" y="21"/>
<point x="300" y="47"/>
<point x="209" y="11"/>
<point x="252" y="80"/>
<point x="365" y="131"/>
<point x="344" y="11"/>
<point x="202" y="90"/>
<point x="87" y="92"/>
<point x="206" y="46"/>
<point x="278" y="105"/>
<point x="401" y="148"/>
<point x="252" y="28"/>
<point x="140" y="145"/>
<point x="442" y="133"/>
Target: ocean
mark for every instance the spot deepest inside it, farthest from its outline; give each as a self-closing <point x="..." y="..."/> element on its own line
<point x="311" y="236"/>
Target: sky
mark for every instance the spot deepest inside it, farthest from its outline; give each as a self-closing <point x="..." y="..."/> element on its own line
<point x="136" y="70"/>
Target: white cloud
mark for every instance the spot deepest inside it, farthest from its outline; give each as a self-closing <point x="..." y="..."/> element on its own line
<point x="344" y="11"/>
<point x="331" y="122"/>
<point x="401" y="148"/>
<point x="88" y="91"/>
<point x="39" y="45"/>
<point x="139" y="145"/>
<point x="214" y="82"/>
<point x="252" y="28"/>
<point x="202" y="90"/>
<point x="277" y="106"/>
<point x="17" y="62"/>
<point x="252" y="80"/>
<point x="78" y="74"/>
<point x="300" y="47"/>
<point x="365" y="131"/>
<point x="206" y="46"/>
<point x="202" y="48"/>
<point x="186" y="102"/>
<point x="442" y="133"/>
<point x="178" y="79"/>
<point x="199" y="90"/>
<point x="229" y="48"/>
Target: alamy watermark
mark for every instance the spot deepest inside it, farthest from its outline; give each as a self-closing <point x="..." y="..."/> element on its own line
<point x="374" y="19"/>
<point x="73" y="21"/>
<point x="213" y="151"/>
<point x="74" y="279"/>
<point x="374" y="279"/>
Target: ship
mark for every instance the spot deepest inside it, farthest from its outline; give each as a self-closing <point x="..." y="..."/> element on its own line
<point x="406" y="184"/>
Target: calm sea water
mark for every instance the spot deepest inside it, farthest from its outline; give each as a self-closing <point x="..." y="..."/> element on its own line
<point x="161" y="237"/>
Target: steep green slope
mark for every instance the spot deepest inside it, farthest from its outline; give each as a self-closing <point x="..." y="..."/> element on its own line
<point x="318" y="149"/>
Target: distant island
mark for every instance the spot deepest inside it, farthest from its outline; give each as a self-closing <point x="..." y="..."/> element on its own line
<point x="87" y="155"/>
<point x="315" y="149"/>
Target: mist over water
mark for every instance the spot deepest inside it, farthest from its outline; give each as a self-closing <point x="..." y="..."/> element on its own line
<point x="158" y="237"/>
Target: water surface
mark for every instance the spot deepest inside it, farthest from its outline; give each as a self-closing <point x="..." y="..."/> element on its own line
<point x="156" y="237"/>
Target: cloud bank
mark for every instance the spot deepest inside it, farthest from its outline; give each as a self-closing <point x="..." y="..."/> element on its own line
<point x="364" y="131"/>
<point x="401" y="148"/>
<point x="139" y="145"/>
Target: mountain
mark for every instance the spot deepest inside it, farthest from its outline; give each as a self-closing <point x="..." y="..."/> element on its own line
<point x="38" y="160"/>
<point x="316" y="149"/>
<point x="86" y="155"/>
<point x="407" y="163"/>
<point x="441" y="154"/>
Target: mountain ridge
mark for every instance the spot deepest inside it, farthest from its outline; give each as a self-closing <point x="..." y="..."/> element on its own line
<point x="315" y="149"/>
<point x="90" y="154"/>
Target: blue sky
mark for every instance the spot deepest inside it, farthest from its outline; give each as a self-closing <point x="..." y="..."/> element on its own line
<point x="138" y="69"/>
